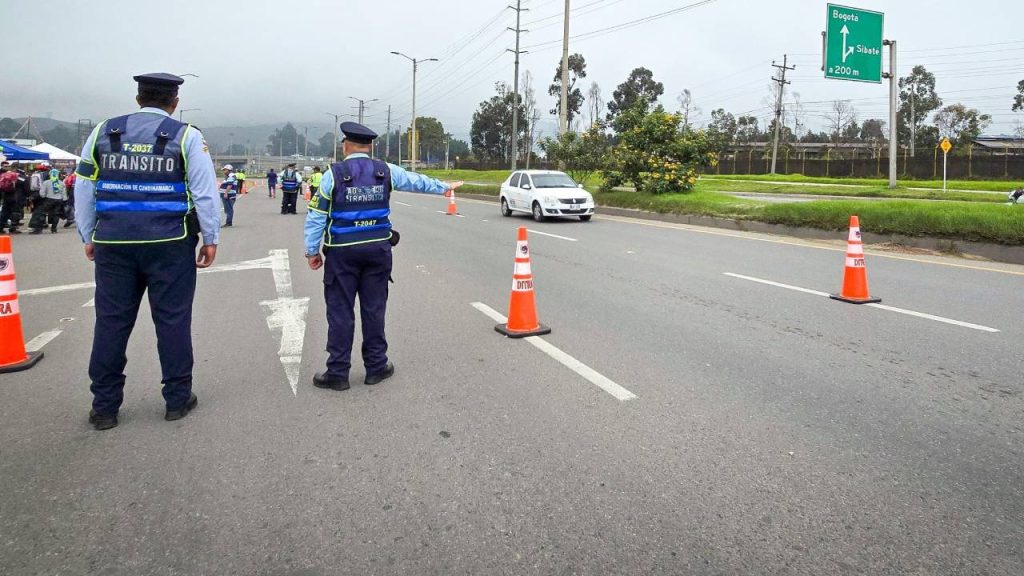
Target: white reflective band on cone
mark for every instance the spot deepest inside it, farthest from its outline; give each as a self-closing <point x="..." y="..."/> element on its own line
<point x="6" y="265"/>
<point x="9" y="308"/>
<point x="522" y="249"/>
<point x="854" y="262"/>
<point x="854" y="234"/>
<point x="855" y="249"/>
<point x="8" y="287"/>
<point x="522" y="285"/>
<point x="522" y="269"/>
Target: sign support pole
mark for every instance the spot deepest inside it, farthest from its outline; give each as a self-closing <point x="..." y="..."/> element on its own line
<point x="945" y="155"/>
<point x="893" y="108"/>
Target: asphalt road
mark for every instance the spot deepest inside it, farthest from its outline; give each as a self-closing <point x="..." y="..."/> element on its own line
<point x="769" y="430"/>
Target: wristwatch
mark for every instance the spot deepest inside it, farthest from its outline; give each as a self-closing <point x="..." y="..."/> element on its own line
<point x="312" y="255"/>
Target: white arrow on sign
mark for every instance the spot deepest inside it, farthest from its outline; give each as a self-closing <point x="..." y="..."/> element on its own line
<point x="846" y="51"/>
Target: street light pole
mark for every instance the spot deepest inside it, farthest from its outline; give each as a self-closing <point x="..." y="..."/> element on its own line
<point x="415" y="66"/>
<point x="336" y="116"/>
<point x="181" y="113"/>
<point x="563" y="112"/>
<point x="362" y="106"/>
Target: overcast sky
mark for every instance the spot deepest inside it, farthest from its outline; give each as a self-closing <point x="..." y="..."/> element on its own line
<point x="268" y="61"/>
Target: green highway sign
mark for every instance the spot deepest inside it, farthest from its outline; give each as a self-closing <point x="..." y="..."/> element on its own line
<point x="853" y="44"/>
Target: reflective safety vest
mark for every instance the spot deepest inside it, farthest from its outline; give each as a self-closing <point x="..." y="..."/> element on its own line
<point x="360" y="203"/>
<point x="140" y="169"/>
<point x="289" y="182"/>
<point x="315" y="178"/>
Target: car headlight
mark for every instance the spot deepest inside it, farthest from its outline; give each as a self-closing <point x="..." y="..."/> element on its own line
<point x="550" y="201"/>
<point x="590" y="198"/>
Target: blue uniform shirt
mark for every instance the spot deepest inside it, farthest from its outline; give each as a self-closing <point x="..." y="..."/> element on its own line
<point x="202" y="183"/>
<point x="401" y="180"/>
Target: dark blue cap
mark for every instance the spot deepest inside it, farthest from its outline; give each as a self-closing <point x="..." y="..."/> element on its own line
<point x="357" y="133"/>
<point x="159" y="79"/>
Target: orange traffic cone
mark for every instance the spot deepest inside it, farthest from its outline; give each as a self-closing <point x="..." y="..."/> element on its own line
<point x="13" y="357"/>
<point x="522" y="309"/>
<point x="855" y="279"/>
<point x="452" y="211"/>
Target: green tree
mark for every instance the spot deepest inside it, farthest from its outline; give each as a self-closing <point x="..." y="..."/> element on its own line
<point x="577" y="71"/>
<point x="286" y="141"/>
<point x="325" y="145"/>
<point x="458" y="149"/>
<point x="917" y="88"/>
<point x="961" y="124"/>
<point x="491" y="131"/>
<point x="431" y="136"/>
<point x="873" y="131"/>
<point x="8" y="127"/>
<point x="1018" y="100"/>
<point x="639" y="89"/>
<point x="747" y="130"/>
<point x="722" y="129"/>
<point x="62" y="137"/>
<point x="582" y="154"/>
<point x="657" y="156"/>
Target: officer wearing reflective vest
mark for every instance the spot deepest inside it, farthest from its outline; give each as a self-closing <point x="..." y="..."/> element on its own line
<point x="350" y="215"/>
<point x="146" y="190"/>
<point x="291" y="184"/>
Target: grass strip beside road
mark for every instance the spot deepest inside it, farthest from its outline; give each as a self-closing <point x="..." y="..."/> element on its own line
<point x="976" y="221"/>
<point x="716" y="185"/>
<point x="1003" y="186"/>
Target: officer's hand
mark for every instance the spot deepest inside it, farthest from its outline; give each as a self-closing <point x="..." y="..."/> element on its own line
<point x="89" y="253"/>
<point x="315" y="262"/>
<point x="454" y="185"/>
<point x="206" y="256"/>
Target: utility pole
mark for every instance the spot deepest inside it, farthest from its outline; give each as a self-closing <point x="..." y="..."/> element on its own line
<point x="893" y="143"/>
<point x="563" y="112"/>
<point x="412" y="144"/>
<point x="387" y="137"/>
<point x="515" y="82"/>
<point x="362" y="106"/>
<point x="913" y="119"/>
<point x="305" y="136"/>
<point x="781" y="80"/>
<point x="447" y="149"/>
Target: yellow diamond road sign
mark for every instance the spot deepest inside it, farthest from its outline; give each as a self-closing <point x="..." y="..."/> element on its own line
<point x="946" y="146"/>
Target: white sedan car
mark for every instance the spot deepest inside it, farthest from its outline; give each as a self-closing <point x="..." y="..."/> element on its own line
<point x="545" y="193"/>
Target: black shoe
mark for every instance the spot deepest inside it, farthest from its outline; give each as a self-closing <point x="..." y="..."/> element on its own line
<point x="69" y="224"/>
<point x="228" y="225"/>
<point x="189" y="406"/>
<point x="379" y="377"/>
<point x="53" y="230"/>
<point x="15" y="231"/>
<point x="36" y="231"/>
<point x="321" y="380"/>
<point x="101" y="422"/>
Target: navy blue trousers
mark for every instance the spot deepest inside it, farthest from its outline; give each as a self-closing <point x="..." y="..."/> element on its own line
<point x="350" y="271"/>
<point x="123" y="274"/>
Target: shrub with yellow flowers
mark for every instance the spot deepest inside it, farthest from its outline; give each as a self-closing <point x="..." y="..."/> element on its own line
<point x="657" y="155"/>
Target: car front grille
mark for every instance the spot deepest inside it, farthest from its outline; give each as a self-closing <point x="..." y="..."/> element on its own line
<point x="573" y="200"/>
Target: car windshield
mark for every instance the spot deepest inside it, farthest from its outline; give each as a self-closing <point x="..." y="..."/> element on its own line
<point x="553" y="181"/>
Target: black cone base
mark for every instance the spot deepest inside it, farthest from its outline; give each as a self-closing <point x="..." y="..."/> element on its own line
<point x="32" y="360"/>
<point x="503" y="329"/>
<point x="853" y="301"/>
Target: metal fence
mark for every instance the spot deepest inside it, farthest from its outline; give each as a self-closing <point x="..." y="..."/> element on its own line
<point x="921" y="167"/>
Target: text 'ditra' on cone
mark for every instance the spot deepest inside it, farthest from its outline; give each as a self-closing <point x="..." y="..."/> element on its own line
<point x="13" y="357"/>
<point x="452" y="210"/>
<point x="522" y="307"/>
<point x="855" y="277"/>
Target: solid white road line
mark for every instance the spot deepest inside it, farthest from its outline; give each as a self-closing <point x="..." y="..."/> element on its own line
<point x="566" y="360"/>
<point x="90" y="304"/>
<point x="872" y="305"/>
<point x="56" y="289"/>
<point x="36" y="344"/>
<point x="402" y="203"/>
<point x="532" y="231"/>
<point x="445" y="213"/>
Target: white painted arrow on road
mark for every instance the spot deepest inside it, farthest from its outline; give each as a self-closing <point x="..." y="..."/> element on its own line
<point x="287" y="315"/>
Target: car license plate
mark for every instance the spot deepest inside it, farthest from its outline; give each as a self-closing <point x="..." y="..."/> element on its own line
<point x="574" y="206"/>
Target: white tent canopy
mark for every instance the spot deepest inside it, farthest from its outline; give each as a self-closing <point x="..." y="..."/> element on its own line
<point x="56" y="154"/>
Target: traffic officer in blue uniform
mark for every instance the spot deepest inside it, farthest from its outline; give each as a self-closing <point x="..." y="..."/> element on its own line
<point x="350" y="215"/>
<point x="146" y="192"/>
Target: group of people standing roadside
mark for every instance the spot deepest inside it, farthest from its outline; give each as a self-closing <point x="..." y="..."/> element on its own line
<point x="47" y="191"/>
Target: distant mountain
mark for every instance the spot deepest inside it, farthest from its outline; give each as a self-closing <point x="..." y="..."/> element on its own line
<point x="221" y="138"/>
